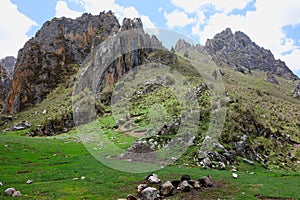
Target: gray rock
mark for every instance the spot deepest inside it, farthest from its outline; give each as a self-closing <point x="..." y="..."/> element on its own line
<point x="205" y="181"/>
<point x="248" y="161"/>
<point x="166" y="188"/>
<point x="10" y="191"/>
<point x="185" y="186"/>
<point x="141" y="187"/>
<point x="131" y="197"/>
<point x="29" y="181"/>
<point x="153" y="179"/>
<point x="1" y="184"/>
<point x="17" y="194"/>
<point x="150" y="193"/>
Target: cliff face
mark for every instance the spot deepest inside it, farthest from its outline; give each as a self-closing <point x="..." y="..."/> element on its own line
<point x="8" y="63"/>
<point x="238" y="50"/>
<point x="6" y="71"/>
<point x="51" y="57"/>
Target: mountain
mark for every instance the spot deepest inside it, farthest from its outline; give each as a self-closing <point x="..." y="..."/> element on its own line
<point x="262" y="119"/>
<point x="238" y="51"/>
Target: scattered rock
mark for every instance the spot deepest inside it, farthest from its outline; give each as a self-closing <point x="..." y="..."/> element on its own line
<point x="234" y="175"/>
<point x="205" y="181"/>
<point x="185" y="178"/>
<point x="166" y="188"/>
<point x="10" y="191"/>
<point x="1" y="184"/>
<point x="150" y="193"/>
<point x="175" y="183"/>
<point x="21" y="126"/>
<point x="17" y="194"/>
<point x="131" y="197"/>
<point x="141" y="187"/>
<point x="153" y="179"/>
<point x="195" y="184"/>
<point x="185" y="186"/>
<point x="248" y="161"/>
<point x="29" y="181"/>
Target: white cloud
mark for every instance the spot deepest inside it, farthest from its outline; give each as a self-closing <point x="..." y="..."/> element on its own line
<point x="13" y="28"/>
<point x="264" y="25"/>
<point x="177" y="18"/>
<point x="62" y="10"/>
<point x="192" y="6"/>
<point x="96" y="6"/>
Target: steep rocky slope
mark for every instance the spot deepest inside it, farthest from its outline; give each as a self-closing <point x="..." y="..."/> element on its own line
<point x="237" y="50"/>
<point x="51" y="57"/>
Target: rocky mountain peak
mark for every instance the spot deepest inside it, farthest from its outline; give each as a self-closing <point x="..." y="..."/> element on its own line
<point x="128" y="24"/>
<point x="237" y="50"/>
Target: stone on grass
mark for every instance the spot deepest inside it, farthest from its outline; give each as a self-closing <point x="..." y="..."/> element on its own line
<point x="185" y="186"/>
<point x="29" y="181"/>
<point x="150" y="193"/>
<point x="131" y="197"/>
<point x="205" y="181"/>
<point x="234" y="175"/>
<point x="166" y="188"/>
<point x="17" y="194"/>
<point x="10" y="191"/>
<point x="1" y="184"/>
<point x="185" y="178"/>
<point x="141" y="187"/>
<point x="153" y="179"/>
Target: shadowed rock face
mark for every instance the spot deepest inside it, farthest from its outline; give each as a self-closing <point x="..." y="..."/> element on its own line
<point x="49" y="58"/>
<point x="238" y="50"/>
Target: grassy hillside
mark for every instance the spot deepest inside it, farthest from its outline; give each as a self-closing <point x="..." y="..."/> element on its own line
<point x="266" y="113"/>
<point x="57" y="164"/>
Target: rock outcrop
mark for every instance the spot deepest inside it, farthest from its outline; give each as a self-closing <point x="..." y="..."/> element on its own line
<point x="9" y="64"/>
<point x="237" y="50"/>
<point x="5" y="83"/>
<point x="53" y="54"/>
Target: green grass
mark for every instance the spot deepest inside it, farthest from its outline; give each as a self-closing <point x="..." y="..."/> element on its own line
<point x="53" y="163"/>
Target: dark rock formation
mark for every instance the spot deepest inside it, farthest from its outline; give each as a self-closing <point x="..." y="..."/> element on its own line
<point x="237" y="50"/>
<point x="50" y="58"/>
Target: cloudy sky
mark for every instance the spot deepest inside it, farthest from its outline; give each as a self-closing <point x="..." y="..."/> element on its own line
<point x="275" y="25"/>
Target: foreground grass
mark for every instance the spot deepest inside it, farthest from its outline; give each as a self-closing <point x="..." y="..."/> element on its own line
<point x="54" y="164"/>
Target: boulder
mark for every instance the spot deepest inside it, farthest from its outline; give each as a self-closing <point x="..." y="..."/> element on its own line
<point x="195" y="184"/>
<point x="141" y="187"/>
<point x="205" y="181"/>
<point x="153" y="179"/>
<point x="150" y="193"/>
<point x="17" y="194"/>
<point x="10" y="191"/>
<point x="185" y="178"/>
<point x="131" y="197"/>
<point x="166" y="188"/>
<point x="21" y="126"/>
<point x="185" y="186"/>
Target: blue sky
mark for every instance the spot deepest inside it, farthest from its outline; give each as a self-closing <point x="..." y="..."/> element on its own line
<point x="274" y="25"/>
